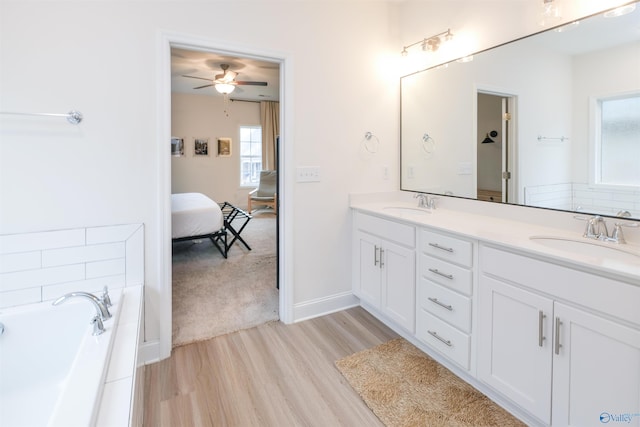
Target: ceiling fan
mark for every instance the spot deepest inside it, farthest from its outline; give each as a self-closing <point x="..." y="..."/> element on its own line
<point x="226" y="82"/>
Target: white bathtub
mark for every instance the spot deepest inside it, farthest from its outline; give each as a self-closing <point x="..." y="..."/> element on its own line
<point x="52" y="370"/>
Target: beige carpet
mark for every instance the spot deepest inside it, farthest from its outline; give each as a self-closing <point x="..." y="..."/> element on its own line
<point x="214" y="296"/>
<point x="405" y="387"/>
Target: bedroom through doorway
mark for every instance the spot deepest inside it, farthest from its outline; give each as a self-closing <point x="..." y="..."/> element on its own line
<point x="220" y="143"/>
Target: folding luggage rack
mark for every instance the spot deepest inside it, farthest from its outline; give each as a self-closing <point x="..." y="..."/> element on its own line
<point x="232" y="213"/>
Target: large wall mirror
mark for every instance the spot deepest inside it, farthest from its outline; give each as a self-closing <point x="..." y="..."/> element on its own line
<point x="551" y="120"/>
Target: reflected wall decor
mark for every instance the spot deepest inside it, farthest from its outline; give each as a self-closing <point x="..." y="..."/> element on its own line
<point x="224" y="147"/>
<point x="201" y="146"/>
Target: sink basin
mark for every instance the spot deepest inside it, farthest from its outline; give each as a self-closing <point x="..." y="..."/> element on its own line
<point x="404" y="210"/>
<point x="589" y="248"/>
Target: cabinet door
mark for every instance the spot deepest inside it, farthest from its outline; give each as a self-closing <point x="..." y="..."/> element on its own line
<point x="367" y="260"/>
<point x="398" y="284"/>
<point x="596" y="371"/>
<point x="514" y="345"/>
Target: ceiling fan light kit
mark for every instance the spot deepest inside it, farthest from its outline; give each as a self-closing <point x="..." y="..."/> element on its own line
<point x="224" y="88"/>
<point x="226" y="82"/>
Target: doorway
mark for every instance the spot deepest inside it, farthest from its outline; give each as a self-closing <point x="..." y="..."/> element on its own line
<point x="160" y="304"/>
<point x="495" y="147"/>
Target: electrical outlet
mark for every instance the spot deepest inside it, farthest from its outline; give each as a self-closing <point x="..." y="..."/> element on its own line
<point x="385" y="172"/>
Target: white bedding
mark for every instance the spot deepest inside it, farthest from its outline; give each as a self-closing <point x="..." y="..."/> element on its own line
<point x="194" y="214"/>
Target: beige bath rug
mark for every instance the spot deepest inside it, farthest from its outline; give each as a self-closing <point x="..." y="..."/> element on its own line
<point x="405" y="387"/>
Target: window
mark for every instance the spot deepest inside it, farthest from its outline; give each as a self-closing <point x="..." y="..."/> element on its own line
<point x="250" y="155"/>
<point x="617" y="149"/>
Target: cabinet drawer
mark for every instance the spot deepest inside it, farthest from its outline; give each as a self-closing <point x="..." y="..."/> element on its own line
<point x="604" y="294"/>
<point x="393" y="231"/>
<point x="450" y="275"/>
<point x="443" y="337"/>
<point x="448" y="305"/>
<point x="446" y="247"/>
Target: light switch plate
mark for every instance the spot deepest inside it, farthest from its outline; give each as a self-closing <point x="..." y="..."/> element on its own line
<point x="308" y="174"/>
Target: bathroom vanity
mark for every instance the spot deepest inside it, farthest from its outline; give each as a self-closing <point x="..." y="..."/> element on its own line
<point x="551" y="333"/>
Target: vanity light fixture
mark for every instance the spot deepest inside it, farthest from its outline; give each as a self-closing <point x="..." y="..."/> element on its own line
<point x="224" y="88"/>
<point x="430" y="44"/>
<point x="619" y="11"/>
<point x="549" y="12"/>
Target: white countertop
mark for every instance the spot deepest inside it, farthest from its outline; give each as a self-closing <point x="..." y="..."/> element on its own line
<point x="511" y="234"/>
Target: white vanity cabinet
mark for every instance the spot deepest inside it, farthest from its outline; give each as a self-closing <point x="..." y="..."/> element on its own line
<point x="445" y="289"/>
<point x="384" y="273"/>
<point x="545" y="342"/>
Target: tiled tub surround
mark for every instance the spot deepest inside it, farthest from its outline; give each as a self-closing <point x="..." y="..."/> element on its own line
<point x="36" y="268"/>
<point x="583" y="197"/>
<point x="42" y="266"/>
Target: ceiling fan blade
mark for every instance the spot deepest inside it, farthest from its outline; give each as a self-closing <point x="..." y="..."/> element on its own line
<point x="200" y="87"/>
<point x="252" y="83"/>
<point x="194" y="77"/>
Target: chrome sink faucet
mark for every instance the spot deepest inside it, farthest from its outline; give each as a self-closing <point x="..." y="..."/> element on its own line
<point x="597" y="229"/>
<point x="424" y="201"/>
<point x="102" y="310"/>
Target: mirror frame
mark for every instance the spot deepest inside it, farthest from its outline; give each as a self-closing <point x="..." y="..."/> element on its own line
<point x="492" y="48"/>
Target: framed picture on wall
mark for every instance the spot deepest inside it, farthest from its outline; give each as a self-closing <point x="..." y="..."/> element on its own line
<point x="224" y="147"/>
<point x="200" y="146"/>
<point x="177" y="146"/>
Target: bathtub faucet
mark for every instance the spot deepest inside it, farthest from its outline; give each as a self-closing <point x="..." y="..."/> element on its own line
<point x="102" y="310"/>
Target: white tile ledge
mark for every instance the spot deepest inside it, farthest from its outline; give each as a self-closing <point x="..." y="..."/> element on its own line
<point x="117" y="398"/>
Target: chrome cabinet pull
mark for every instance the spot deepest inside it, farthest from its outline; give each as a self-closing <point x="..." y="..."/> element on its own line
<point x="557" y="343"/>
<point x="375" y="254"/>
<point x="438" y="337"/>
<point x="439" y="273"/>
<point x="435" y="301"/>
<point x="437" y="246"/>
<point x="381" y="257"/>
<point x="541" y="317"/>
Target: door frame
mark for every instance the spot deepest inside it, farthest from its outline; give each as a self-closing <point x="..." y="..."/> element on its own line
<point x="162" y="303"/>
<point x="509" y="136"/>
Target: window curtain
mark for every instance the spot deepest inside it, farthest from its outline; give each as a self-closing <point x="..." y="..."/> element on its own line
<point x="270" y="121"/>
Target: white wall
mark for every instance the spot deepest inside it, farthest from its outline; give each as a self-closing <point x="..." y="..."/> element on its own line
<point x="100" y="57"/>
<point x="201" y="116"/>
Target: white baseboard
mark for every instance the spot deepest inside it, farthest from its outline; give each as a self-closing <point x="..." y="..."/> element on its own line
<point x="322" y="306"/>
<point x="149" y="352"/>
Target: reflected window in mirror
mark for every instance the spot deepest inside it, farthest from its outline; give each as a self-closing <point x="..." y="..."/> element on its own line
<point x="617" y="143"/>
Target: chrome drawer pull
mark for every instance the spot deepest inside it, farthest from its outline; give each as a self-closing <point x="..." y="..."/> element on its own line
<point x="439" y="273"/>
<point x="541" y="317"/>
<point x="437" y="246"/>
<point x="557" y="344"/>
<point x="435" y="301"/>
<point x="438" y="337"/>
<point x="375" y="255"/>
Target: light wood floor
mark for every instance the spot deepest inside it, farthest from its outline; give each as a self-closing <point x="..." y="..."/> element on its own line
<point x="271" y="375"/>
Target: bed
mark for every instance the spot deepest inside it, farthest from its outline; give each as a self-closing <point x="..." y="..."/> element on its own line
<point x="196" y="216"/>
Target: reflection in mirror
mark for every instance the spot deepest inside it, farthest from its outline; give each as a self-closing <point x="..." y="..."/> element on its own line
<point x="551" y="120"/>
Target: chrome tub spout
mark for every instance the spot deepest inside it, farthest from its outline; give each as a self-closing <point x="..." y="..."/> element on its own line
<point x="102" y="310"/>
